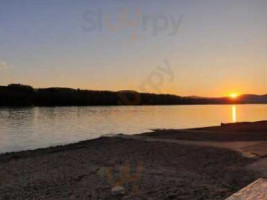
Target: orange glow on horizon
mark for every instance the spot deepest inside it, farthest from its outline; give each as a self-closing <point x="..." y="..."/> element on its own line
<point x="234" y="95"/>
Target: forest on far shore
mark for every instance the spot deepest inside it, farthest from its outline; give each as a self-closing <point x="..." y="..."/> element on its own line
<point x="23" y="95"/>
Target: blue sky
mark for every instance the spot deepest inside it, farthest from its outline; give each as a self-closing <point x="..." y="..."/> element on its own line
<point x="218" y="46"/>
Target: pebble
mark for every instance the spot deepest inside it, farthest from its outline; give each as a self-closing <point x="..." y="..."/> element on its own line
<point x="118" y="190"/>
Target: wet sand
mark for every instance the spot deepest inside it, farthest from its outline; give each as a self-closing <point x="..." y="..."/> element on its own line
<point x="146" y="170"/>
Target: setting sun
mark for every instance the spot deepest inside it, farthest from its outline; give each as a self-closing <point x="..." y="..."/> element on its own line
<point x="234" y="95"/>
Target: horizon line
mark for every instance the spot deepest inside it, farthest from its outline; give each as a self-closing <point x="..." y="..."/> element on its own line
<point x="129" y="90"/>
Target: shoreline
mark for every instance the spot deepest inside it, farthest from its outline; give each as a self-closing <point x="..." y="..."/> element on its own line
<point x="167" y="133"/>
<point x="139" y="105"/>
<point x="156" y="169"/>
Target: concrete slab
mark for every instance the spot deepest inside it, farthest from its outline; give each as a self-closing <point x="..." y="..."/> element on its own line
<point x="259" y="149"/>
<point x="255" y="191"/>
<point x="259" y="166"/>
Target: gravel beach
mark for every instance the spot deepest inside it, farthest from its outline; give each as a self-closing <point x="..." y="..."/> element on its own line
<point x="144" y="170"/>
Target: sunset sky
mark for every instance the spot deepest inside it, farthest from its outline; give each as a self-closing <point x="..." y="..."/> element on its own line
<point x="184" y="47"/>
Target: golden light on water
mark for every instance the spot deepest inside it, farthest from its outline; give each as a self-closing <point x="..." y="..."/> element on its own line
<point x="234" y="114"/>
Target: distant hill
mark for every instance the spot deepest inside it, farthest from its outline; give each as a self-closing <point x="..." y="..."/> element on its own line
<point x="23" y="95"/>
<point x="252" y="98"/>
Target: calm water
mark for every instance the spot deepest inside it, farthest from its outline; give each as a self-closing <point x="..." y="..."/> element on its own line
<point x="30" y="128"/>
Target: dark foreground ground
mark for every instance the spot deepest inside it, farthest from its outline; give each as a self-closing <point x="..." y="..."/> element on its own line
<point x="147" y="170"/>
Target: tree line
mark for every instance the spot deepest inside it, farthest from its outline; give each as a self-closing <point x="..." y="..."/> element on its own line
<point x="24" y="95"/>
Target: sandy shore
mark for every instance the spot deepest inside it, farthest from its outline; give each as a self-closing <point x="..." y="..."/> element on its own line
<point x="146" y="170"/>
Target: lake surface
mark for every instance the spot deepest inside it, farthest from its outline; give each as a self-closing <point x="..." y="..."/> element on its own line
<point x="31" y="128"/>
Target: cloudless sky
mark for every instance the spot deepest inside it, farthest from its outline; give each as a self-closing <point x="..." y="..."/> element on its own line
<point x="220" y="46"/>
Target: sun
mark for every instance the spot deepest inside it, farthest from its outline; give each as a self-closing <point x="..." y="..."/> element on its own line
<point x="234" y="95"/>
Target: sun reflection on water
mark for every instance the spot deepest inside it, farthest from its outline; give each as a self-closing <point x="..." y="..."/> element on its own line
<point x="234" y="114"/>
